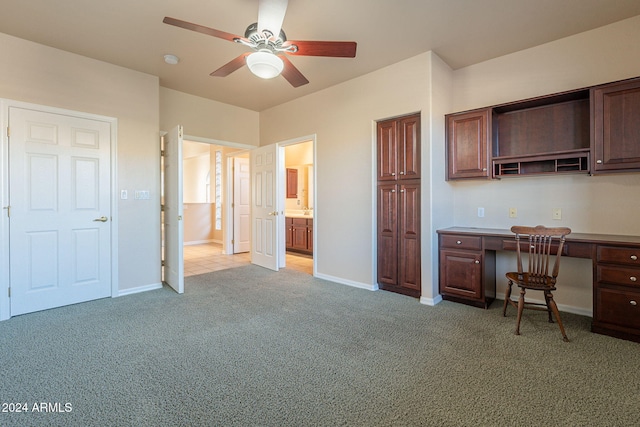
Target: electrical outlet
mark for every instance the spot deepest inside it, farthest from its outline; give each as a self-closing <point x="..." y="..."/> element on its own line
<point x="557" y="213"/>
<point x="513" y="212"/>
<point x="481" y="212"/>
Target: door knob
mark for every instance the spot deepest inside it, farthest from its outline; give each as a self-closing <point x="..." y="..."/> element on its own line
<point x="273" y="213"/>
<point x="101" y="219"/>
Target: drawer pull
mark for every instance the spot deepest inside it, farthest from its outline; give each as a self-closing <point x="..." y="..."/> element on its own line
<point x="458" y="242"/>
<point x="634" y="257"/>
<point x="633" y="278"/>
<point x="477" y="262"/>
<point x="632" y="302"/>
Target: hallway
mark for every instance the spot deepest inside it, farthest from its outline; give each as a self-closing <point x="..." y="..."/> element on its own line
<point x="208" y="257"/>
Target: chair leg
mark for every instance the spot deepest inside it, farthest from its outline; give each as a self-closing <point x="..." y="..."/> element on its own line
<point x="554" y="307"/>
<point x="507" y="297"/>
<point x="520" y="309"/>
<point x="547" y="297"/>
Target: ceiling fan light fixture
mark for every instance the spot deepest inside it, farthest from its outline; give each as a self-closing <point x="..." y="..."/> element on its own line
<point x="265" y="64"/>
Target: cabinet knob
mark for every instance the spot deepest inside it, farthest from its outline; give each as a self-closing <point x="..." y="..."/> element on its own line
<point x="599" y="162"/>
<point x="393" y="191"/>
<point x="632" y="302"/>
<point x="633" y="278"/>
<point x="393" y="174"/>
<point x="477" y="262"/>
<point x="634" y="257"/>
<point x="402" y="191"/>
<point x="401" y="173"/>
<point x="458" y="242"/>
<point x="484" y="169"/>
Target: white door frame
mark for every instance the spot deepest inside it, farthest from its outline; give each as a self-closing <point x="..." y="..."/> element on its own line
<point x="5" y="104"/>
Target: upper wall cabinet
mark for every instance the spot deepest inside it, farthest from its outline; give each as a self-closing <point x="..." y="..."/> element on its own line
<point x="592" y="130"/>
<point x="616" y="126"/>
<point x="468" y="144"/>
<point x="399" y="148"/>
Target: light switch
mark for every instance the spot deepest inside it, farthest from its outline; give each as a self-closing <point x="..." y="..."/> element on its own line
<point x="123" y="194"/>
<point x="481" y="212"/>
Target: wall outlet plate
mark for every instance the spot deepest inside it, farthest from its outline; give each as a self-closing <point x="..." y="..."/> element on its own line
<point x="557" y="213"/>
<point x="481" y="212"/>
<point x="513" y="212"/>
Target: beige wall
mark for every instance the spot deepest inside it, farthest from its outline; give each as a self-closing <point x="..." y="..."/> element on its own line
<point x="208" y="119"/>
<point x="590" y="204"/>
<point x="41" y="75"/>
<point x="343" y="119"/>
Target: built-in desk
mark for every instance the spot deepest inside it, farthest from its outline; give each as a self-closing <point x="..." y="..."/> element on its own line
<point x="468" y="272"/>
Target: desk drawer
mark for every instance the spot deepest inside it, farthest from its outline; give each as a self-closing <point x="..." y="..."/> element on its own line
<point x="615" y="255"/>
<point x="627" y="276"/>
<point x="621" y="308"/>
<point x="510" y="245"/>
<point x="460" y="242"/>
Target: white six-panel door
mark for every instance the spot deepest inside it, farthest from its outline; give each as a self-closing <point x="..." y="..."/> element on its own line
<point x="60" y="223"/>
<point x="264" y="207"/>
<point x="241" y="205"/>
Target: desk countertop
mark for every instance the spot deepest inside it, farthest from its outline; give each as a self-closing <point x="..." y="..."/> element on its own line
<point x="573" y="237"/>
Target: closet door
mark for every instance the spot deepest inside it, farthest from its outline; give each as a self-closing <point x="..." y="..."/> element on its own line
<point x="409" y="235"/>
<point x="387" y="235"/>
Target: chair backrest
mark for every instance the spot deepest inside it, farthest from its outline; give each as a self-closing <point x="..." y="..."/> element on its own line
<point x="543" y="242"/>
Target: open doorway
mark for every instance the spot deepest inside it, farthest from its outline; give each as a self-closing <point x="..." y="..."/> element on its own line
<point x="299" y="204"/>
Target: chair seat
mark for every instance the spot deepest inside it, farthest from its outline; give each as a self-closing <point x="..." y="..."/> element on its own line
<point x="528" y="281"/>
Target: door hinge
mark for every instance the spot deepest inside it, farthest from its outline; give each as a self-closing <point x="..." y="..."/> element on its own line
<point x="161" y="208"/>
<point x="8" y="208"/>
<point x="8" y="132"/>
<point x="162" y="153"/>
<point x="9" y="289"/>
<point x="233" y="241"/>
<point x="162" y="263"/>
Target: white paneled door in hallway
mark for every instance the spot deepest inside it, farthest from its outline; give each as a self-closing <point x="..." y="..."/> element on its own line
<point x="60" y="218"/>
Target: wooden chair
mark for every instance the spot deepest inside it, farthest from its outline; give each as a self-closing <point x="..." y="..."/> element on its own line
<point x="542" y="243"/>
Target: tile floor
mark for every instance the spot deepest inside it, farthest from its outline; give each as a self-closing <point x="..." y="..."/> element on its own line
<point x="199" y="259"/>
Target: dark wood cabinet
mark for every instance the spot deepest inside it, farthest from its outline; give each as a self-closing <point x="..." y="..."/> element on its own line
<point x="616" y="293"/>
<point x="590" y="130"/>
<point x="299" y="235"/>
<point x="468" y="137"/>
<point x="467" y="272"/>
<point x="398" y="205"/>
<point x="292" y="183"/>
<point x="398" y="148"/>
<point x="616" y="127"/>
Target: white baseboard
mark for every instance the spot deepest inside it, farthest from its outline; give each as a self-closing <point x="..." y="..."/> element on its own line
<point x="201" y="242"/>
<point x="352" y="283"/>
<point x="431" y="301"/>
<point x="139" y="289"/>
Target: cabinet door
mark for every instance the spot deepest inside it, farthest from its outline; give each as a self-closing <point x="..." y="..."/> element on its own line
<point x="288" y="232"/>
<point x="387" y="144"/>
<point x="468" y="136"/>
<point x="409" y="236"/>
<point x="461" y="274"/>
<point x="409" y="147"/>
<point x="292" y="183"/>
<point x="310" y="235"/>
<point x="616" y="133"/>
<point x="387" y="235"/>
<point x="299" y="237"/>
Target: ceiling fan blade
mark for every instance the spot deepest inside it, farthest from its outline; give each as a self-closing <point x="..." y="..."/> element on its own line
<point x="200" y="29"/>
<point x="271" y="14"/>
<point x="230" y="66"/>
<point x="292" y="74"/>
<point x="319" y="48"/>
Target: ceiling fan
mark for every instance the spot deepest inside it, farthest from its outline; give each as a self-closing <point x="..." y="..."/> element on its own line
<point x="270" y="45"/>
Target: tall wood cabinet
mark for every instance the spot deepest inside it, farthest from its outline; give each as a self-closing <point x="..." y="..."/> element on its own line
<point x="398" y="196"/>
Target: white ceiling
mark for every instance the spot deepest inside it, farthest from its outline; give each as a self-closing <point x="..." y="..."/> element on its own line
<point x="130" y="33"/>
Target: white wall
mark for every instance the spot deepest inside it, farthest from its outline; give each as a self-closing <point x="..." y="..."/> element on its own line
<point x="42" y="75"/>
<point x="590" y="204"/>
<point x="343" y="118"/>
